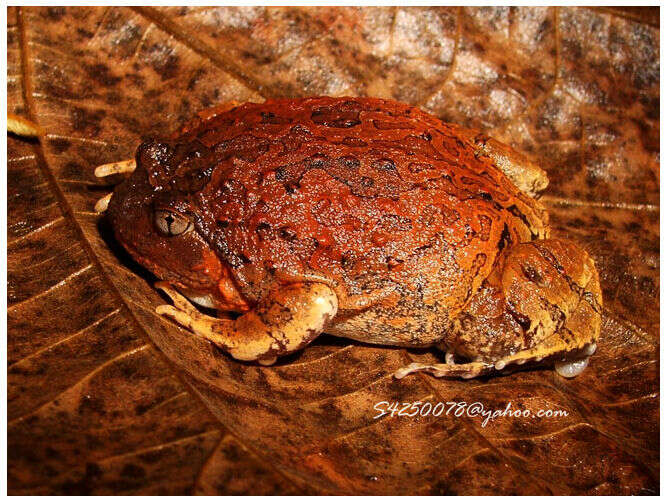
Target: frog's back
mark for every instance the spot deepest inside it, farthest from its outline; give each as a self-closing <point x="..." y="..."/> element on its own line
<point x="373" y="195"/>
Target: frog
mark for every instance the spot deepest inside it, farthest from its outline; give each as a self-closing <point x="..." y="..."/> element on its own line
<point x="364" y="218"/>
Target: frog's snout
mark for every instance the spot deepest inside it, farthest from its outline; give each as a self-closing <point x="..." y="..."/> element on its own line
<point x="154" y="152"/>
<point x="183" y="166"/>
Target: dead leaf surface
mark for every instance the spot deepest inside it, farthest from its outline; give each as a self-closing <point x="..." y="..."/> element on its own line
<point x="106" y="397"/>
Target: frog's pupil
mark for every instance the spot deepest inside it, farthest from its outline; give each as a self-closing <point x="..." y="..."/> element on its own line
<point x="169" y="221"/>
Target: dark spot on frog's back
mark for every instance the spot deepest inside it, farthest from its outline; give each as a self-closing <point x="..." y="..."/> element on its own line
<point x="505" y="239"/>
<point x="419" y="167"/>
<point x="354" y="142"/>
<point x="245" y="147"/>
<point x="318" y="161"/>
<point x="271" y="118"/>
<point x="297" y="136"/>
<point x="532" y="274"/>
<point x="384" y="164"/>
<point x="350" y="163"/>
<point x="263" y="231"/>
<point x="287" y="234"/>
<point x="367" y="182"/>
<point x="344" y="115"/>
<point x="281" y="173"/>
<point x="347" y="260"/>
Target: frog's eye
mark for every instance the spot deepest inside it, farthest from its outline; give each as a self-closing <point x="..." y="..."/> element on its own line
<point x="171" y="223"/>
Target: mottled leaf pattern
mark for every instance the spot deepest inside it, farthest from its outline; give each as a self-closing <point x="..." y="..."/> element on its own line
<point x="105" y="397"/>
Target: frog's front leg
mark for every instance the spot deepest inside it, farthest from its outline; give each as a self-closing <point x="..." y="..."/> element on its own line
<point x="541" y="301"/>
<point x="286" y="320"/>
<point x="105" y="170"/>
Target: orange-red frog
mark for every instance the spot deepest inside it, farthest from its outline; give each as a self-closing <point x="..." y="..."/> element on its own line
<point x="364" y="218"/>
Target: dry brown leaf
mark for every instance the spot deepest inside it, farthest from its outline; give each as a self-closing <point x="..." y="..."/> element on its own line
<point x="106" y="397"/>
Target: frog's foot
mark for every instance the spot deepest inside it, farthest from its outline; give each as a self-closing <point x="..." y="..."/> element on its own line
<point x="287" y="320"/>
<point x="105" y="170"/>
<point x="22" y="126"/>
<point x="541" y="302"/>
<point x="449" y="370"/>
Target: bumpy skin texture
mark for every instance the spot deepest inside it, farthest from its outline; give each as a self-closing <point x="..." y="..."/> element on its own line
<point x="408" y="220"/>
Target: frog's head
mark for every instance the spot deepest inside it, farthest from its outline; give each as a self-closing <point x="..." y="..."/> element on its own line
<point x="156" y="215"/>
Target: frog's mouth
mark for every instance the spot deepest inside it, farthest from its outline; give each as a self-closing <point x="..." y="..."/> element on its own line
<point x="224" y="300"/>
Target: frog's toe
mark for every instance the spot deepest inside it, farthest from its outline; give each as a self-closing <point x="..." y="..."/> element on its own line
<point x="171" y="311"/>
<point x="200" y="324"/>
<point x="105" y="170"/>
<point x="176" y="297"/>
<point x="103" y="203"/>
<point x="185" y="314"/>
<point x="467" y="370"/>
<point x="571" y="368"/>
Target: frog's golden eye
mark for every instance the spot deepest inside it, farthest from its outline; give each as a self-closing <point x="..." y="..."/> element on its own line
<point x="171" y="223"/>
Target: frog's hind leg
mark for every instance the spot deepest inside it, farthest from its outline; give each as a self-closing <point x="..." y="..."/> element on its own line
<point x="285" y="321"/>
<point x="542" y="301"/>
